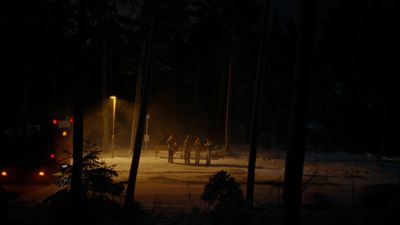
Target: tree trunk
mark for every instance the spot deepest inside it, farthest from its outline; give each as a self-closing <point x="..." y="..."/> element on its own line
<point x="232" y="48"/>
<point x="147" y="74"/>
<point x="106" y="134"/>
<point x="297" y="125"/>
<point x="261" y="64"/>
<point x="138" y="94"/>
<point x="228" y="100"/>
<point x="76" y="183"/>
<point x="136" y="106"/>
<point x="26" y="82"/>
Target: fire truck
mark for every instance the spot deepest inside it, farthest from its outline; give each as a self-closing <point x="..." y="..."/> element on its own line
<point x="34" y="147"/>
<point x="63" y="126"/>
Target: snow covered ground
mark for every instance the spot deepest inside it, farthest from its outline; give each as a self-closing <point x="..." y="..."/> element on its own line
<point x="179" y="186"/>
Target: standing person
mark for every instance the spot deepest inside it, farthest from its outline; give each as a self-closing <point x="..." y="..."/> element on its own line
<point x="208" y="147"/>
<point x="186" y="149"/>
<point x="197" y="146"/>
<point x="171" y="146"/>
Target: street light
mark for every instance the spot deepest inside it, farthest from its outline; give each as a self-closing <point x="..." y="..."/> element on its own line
<point x="114" y="98"/>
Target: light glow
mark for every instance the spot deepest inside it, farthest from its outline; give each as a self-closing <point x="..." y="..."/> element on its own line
<point x="52" y="155"/>
<point x="64" y="133"/>
<point x="4" y="173"/>
<point x="41" y="173"/>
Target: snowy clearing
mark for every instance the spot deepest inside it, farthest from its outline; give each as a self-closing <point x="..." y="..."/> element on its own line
<point x="179" y="186"/>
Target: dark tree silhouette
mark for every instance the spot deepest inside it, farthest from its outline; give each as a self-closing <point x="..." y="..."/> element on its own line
<point x="297" y="125"/>
<point x="104" y="75"/>
<point x="145" y="87"/>
<point x="76" y="183"/>
<point x="261" y="67"/>
<point x="228" y="101"/>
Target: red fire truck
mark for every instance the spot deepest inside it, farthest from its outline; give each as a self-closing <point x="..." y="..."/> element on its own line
<point x="34" y="147"/>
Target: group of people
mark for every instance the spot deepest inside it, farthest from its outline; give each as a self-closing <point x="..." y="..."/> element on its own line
<point x="189" y="144"/>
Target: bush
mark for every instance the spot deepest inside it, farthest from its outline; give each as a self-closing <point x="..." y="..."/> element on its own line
<point x="97" y="186"/>
<point x="97" y="176"/>
<point x="223" y="193"/>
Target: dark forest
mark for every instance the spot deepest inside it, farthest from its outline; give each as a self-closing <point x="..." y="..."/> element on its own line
<point x="291" y="78"/>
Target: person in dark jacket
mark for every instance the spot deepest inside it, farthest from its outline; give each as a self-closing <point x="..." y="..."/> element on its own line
<point x="197" y="148"/>
<point x="171" y="147"/>
<point x="187" y="148"/>
<point x="208" y="146"/>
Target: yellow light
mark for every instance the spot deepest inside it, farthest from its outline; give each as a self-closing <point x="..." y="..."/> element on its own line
<point x="41" y="173"/>
<point x="113" y="97"/>
<point x="4" y="173"/>
<point x="64" y="133"/>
